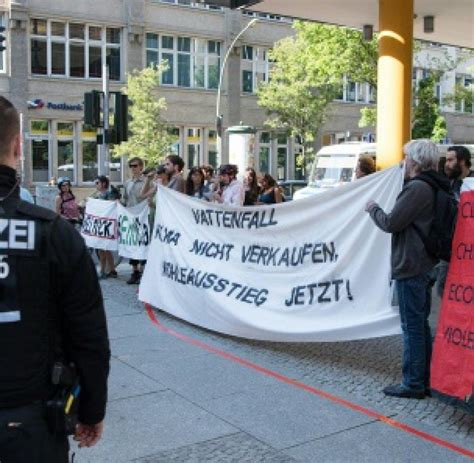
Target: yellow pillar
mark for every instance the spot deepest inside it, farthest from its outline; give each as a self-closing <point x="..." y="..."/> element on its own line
<point x="394" y="80"/>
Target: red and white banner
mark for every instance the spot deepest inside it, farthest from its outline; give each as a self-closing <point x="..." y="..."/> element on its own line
<point x="452" y="367"/>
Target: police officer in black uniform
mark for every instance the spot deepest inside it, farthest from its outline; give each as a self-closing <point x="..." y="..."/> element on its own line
<point x="51" y="314"/>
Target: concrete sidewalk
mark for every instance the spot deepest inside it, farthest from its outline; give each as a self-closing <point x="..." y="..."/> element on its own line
<point x="171" y="401"/>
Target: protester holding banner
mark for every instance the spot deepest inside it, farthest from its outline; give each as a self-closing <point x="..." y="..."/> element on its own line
<point x="233" y="192"/>
<point x="131" y="197"/>
<point x="365" y="166"/>
<point x="209" y="180"/>
<point x="106" y="258"/>
<point x="154" y="178"/>
<point x="251" y="187"/>
<point x="457" y="168"/>
<point x="66" y="205"/>
<point x="195" y="186"/>
<point x="174" y="166"/>
<point x="270" y="193"/>
<point x="411" y="263"/>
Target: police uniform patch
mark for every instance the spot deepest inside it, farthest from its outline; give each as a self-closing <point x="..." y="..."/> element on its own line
<point x="18" y="237"/>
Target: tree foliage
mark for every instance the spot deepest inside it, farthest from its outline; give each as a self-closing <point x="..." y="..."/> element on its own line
<point x="308" y="73"/>
<point x="149" y="138"/>
<point x="428" y="122"/>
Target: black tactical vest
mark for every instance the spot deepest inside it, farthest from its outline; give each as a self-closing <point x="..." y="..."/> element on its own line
<point x="28" y="315"/>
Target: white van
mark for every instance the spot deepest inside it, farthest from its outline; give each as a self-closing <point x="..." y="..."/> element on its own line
<point x="335" y="165"/>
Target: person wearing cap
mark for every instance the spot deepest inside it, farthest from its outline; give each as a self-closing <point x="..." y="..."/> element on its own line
<point x="233" y="191"/>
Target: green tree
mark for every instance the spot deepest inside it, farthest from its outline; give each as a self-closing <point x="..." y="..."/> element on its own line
<point x="149" y="136"/>
<point x="428" y="122"/>
<point x="463" y="94"/>
<point x="307" y="76"/>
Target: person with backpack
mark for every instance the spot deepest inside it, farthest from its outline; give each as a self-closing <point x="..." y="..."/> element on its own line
<point x="410" y="222"/>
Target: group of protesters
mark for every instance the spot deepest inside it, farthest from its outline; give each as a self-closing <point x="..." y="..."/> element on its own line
<point x="408" y="221"/>
<point x="202" y="183"/>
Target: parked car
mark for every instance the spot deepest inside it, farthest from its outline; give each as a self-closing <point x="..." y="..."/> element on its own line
<point x="290" y="187"/>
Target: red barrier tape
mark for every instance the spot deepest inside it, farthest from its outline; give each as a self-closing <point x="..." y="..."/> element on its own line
<point x="307" y="388"/>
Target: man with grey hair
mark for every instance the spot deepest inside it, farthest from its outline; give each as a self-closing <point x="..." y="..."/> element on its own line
<point x="411" y="264"/>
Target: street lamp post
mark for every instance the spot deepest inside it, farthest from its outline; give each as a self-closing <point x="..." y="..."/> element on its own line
<point x="219" y="88"/>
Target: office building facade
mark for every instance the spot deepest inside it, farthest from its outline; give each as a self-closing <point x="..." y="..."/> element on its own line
<point x="55" y="54"/>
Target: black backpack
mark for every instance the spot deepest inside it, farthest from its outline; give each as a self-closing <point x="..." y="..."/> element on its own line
<point x="445" y="211"/>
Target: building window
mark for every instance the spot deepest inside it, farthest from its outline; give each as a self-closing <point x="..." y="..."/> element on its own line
<point x="175" y="134"/>
<point x="89" y="153"/>
<point x="356" y="92"/>
<point x="193" y="142"/>
<point x="70" y="49"/>
<point x="264" y="152"/>
<point x="65" y="150"/>
<point x="3" y="23"/>
<point x="39" y="135"/>
<point x="464" y="105"/>
<point x="299" y="161"/>
<point x="192" y="63"/>
<point x="255" y="67"/>
<point x="282" y="156"/>
<point x="192" y="4"/>
<point x="212" y="154"/>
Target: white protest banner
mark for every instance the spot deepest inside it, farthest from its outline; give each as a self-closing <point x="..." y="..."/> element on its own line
<point x="99" y="227"/>
<point x="133" y="231"/>
<point x="316" y="269"/>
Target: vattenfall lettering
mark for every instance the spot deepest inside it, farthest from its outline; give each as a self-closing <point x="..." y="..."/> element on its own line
<point x="235" y="219"/>
<point x="17" y="234"/>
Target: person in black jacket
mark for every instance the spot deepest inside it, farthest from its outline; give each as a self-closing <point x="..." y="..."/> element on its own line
<point x="51" y="310"/>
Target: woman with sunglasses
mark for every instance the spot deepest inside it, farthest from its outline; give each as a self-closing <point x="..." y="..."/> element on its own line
<point x="66" y="205"/>
<point x="132" y="190"/>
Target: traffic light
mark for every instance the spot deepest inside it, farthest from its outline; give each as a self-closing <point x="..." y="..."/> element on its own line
<point x="92" y="108"/>
<point x="121" y="117"/>
<point x="219" y="126"/>
<point x="2" y="38"/>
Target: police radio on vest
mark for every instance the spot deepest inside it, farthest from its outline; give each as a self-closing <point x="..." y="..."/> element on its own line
<point x="17" y="234"/>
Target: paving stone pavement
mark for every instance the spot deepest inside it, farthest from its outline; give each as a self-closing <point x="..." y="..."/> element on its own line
<point x="238" y="447"/>
<point x="356" y="370"/>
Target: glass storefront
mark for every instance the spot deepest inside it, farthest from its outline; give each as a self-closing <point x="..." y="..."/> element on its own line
<point x="66" y="149"/>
